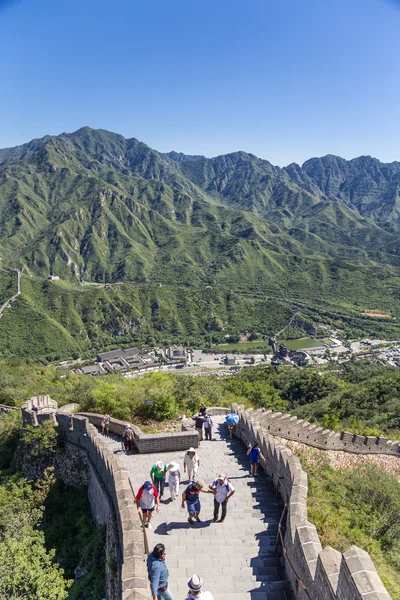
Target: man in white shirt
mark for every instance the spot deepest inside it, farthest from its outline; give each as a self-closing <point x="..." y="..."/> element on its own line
<point x="222" y="489"/>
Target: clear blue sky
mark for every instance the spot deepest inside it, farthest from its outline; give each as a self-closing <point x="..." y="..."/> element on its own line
<point x="284" y="79"/>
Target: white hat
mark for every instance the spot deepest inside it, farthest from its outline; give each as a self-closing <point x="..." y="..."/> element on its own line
<point x="191" y="450"/>
<point x="195" y="583"/>
<point x="173" y="466"/>
<point x="222" y="477"/>
<point x="160" y="465"/>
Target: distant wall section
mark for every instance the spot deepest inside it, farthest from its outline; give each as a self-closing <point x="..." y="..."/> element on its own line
<point x="291" y="428"/>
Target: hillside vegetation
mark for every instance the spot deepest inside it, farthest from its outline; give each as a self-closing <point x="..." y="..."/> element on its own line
<point x="46" y="529"/>
<point x="94" y="207"/>
<point x="349" y="506"/>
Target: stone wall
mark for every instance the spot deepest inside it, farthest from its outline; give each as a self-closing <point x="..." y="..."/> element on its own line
<point x="112" y="501"/>
<point x="315" y="573"/>
<point x="291" y="428"/>
<point x="6" y="409"/>
<point x="150" y="442"/>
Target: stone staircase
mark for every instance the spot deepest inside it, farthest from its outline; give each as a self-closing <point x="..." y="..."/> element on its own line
<point x="237" y="558"/>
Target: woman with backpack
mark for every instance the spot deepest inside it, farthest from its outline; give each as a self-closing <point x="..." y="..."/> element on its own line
<point x="128" y="436"/>
<point x="255" y="455"/>
<point x="105" y="424"/>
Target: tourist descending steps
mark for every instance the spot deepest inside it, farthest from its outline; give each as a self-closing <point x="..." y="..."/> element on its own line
<point x="174" y="479"/>
<point x="195" y="585"/>
<point x="157" y="475"/>
<point x="255" y="455"/>
<point x="158" y="574"/>
<point x="191" y="462"/>
<point x="191" y="497"/>
<point x="147" y="499"/>
<point x="222" y="489"/>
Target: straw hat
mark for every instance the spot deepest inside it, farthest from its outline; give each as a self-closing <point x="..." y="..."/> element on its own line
<point x="173" y="466"/>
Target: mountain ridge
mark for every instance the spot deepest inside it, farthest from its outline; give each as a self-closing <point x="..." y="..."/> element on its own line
<point x="94" y="205"/>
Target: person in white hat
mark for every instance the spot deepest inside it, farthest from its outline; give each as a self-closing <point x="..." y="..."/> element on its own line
<point x="191" y="462"/>
<point x="174" y="479"/>
<point x="222" y="489"/>
<point x="195" y="585"/>
<point x="157" y="475"/>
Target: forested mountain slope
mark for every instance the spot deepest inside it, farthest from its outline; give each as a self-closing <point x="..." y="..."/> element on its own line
<point x="94" y="206"/>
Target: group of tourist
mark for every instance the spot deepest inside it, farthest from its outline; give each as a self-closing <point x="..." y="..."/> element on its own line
<point x="149" y="495"/>
<point x="151" y="492"/>
<point x="203" y="421"/>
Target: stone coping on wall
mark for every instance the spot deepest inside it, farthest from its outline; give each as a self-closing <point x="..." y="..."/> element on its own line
<point x="150" y="442"/>
<point x="5" y="409"/>
<point x="291" y="428"/>
<point x="315" y="573"/>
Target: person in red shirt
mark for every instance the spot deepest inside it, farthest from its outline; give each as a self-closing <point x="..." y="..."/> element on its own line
<point x="147" y="499"/>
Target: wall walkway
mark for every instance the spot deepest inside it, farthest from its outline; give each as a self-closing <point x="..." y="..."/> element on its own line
<point x="221" y="551"/>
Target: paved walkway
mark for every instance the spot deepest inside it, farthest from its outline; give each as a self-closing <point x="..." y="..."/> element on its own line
<point x="236" y="559"/>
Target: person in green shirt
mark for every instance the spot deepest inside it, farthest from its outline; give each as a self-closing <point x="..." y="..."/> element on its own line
<point x="157" y="475"/>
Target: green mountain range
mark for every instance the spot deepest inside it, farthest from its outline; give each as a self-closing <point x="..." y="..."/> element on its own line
<point x="92" y="206"/>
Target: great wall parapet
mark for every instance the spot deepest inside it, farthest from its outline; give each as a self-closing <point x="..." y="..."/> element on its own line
<point x="315" y="573"/>
<point x="291" y="428"/>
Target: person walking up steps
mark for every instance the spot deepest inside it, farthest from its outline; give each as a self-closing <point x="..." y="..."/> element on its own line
<point x="195" y="585"/>
<point x="198" y="423"/>
<point x="222" y="489"/>
<point x="174" y="479"/>
<point x="208" y="425"/>
<point x="191" y="497"/>
<point x="255" y="455"/>
<point x="147" y="499"/>
<point x="158" y="574"/>
<point x="128" y="437"/>
<point x="105" y="423"/>
<point x="191" y="462"/>
<point x="157" y="475"/>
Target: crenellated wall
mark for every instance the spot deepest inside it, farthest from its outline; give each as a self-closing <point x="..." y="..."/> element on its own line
<point x="315" y="573"/>
<point x="7" y="409"/>
<point x="291" y="428"/>
<point x="110" y="495"/>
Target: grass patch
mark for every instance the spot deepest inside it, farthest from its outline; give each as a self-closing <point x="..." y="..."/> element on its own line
<point x="244" y="347"/>
<point x="361" y="507"/>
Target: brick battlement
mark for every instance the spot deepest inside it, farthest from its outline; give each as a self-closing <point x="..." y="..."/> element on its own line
<point x="291" y="428"/>
<point x="315" y="573"/>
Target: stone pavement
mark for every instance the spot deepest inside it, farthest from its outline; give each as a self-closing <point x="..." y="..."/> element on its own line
<point x="236" y="559"/>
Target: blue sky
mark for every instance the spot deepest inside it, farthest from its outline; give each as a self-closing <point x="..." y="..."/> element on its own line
<point x="283" y="79"/>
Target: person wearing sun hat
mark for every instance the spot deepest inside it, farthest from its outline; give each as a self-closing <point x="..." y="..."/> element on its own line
<point x="174" y="479"/>
<point x="195" y="585"/>
<point x="147" y="499"/>
<point x="191" y="462"/>
<point x="222" y="490"/>
<point x="157" y="475"/>
<point x="191" y="497"/>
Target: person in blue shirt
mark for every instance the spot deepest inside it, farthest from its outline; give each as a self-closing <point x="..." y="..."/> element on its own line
<point x="255" y="455"/>
<point x="191" y="496"/>
<point x="158" y="574"/>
